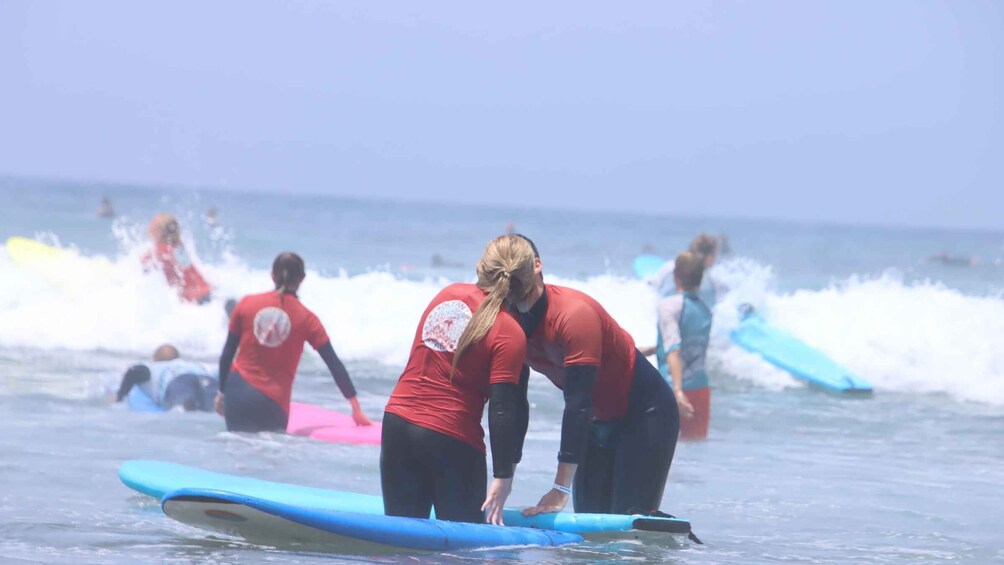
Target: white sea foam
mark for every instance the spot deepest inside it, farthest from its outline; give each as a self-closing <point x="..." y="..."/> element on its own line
<point x="905" y="337"/>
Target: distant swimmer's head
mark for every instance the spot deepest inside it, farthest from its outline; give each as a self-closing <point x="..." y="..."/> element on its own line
<point x="688" y="271"/>
<point x="707" y="246"/>
<point x="164" y="228"/>
<point x="288" y="271"/>
<point x="165" y="352"/>
<point x="507" y="271"/>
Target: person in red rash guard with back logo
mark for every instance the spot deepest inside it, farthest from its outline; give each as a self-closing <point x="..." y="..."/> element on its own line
<point x="267" y="334"/>
<point x="468" y="349"/>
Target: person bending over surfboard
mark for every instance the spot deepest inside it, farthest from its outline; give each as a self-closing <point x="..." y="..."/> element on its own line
<point x="170" y="256"/>
<point x="171" y="381"/>
<point x="620" y="423"/>
<point x="683" y="331"/>
<point x="267" y="333"/>
<point x="468" y="349"/>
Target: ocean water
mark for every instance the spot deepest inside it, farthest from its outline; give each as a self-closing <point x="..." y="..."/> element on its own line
<point x="789" y="474"/>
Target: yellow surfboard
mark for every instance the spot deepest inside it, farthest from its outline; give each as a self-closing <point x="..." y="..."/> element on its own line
<point x="63" y="267"/>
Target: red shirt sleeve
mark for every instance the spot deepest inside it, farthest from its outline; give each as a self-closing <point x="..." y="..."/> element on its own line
<point x="580" y="333"/>
<point x="508" y="353"/>
<point x="316" y="336"/>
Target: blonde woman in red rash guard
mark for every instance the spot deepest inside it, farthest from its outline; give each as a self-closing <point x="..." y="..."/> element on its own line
<point x="267" y="333"/>
<point x="468" y="349"/>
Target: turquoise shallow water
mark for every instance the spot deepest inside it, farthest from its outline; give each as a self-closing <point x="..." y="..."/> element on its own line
<point x="789" y="474"/>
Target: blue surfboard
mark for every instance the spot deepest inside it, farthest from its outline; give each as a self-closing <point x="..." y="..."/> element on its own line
<point x="262" y="519"/>
<point x="779" y="348"/>
<point x="645" y="266"/>
<point x="139" y="401"/>
<point x="789" y="353"/>
<point x="157" y="479"/>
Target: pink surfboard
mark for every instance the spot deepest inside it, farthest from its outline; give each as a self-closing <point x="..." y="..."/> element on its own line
<point x="318" y="423"/>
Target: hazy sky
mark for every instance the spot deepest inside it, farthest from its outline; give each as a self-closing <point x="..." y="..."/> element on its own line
<point x="851" y="111"/>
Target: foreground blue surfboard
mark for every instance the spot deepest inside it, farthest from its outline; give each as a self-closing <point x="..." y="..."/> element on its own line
<point x="157" y="479"/>
<point x="255" y="519"/>
<point x="779" y="348"/>
<point x="787" y="352"/>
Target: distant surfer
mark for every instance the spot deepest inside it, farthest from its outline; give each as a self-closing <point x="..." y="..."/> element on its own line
<point x="468" y="350"/>
<point x="267" y="334"/>
<point x="620" y="424"/>
<point x="211" y="217"/>
<point x="946" y="258"/>
<point x="171" y="381"/>
<point x="711" y="288"/>
<point x="683" y="331"/>
<point x="439" y="262"/>
<point x="105" y="209"/>
<point x="170" y="256"/>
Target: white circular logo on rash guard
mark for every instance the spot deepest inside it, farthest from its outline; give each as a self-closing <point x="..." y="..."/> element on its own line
<point x="271" y="326"/>
<point x="445" y="323"/>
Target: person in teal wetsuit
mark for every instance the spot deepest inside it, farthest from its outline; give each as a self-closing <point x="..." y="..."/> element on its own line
<point x="683" y="332"/>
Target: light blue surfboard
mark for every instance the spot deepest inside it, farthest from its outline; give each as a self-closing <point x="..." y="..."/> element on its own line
<point x="644" y="266"/>
<point x="157" y="478"/>
<point x="139" y="401"/>
<point x="264" y="519"/>
<point x="789" y="353"/>
<point x="780" y="348"/>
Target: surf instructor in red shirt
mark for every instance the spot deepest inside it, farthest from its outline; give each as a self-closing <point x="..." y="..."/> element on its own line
<point x="267" y="334"/>
<point x="620" y="423"/>
<point x="468" y="349"/>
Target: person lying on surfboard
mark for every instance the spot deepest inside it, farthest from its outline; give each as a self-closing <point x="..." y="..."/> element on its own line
<point x="267" y="334"/>
<point x="170" y="256"/>
<point x="171" y="381"/>
<point x="468" y="350"/>
<point x="683" y="331"/>
<point x="620" y="422"/>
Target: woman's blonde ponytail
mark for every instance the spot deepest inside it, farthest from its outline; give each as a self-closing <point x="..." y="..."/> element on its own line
<point x="507" y="261"/>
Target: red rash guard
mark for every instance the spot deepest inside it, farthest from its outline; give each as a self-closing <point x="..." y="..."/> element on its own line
<point x="272" y="330"/>
<point x="179" y="271"/>
<point x="576" y="330"/>
<point x="426" y="396"/>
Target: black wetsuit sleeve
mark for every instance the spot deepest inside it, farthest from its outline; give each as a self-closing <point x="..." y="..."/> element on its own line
<point x="579" y="381"/>
<point x="227" y="358"/>
<point x="503" y="424"/>
<point x="522" y="414"/>
<point x="137" y="374"/>
<point x="337" y="369"/>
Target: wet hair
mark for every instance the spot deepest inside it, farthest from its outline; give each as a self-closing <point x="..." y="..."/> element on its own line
<point x="689" y="270"/>
<point x="164" y="228"/>
<point x="705" y="245"/>
<point x="506" y="269"/>
<point x="166" y="352"/>
<point x="288" y="272"/>
<point x="536" y="254"/>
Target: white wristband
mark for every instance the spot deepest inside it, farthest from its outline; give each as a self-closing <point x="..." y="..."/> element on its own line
<point x="562" y="488"/>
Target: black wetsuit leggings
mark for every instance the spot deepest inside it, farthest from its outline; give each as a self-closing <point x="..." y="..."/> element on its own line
<point x="626" y="463"/>
<point x="247" y="409"/>
<point x="191" y="392"/>
<point x="421" y="469"/>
